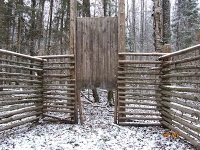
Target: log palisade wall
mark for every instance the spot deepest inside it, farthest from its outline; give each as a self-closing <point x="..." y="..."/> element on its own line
<point x="21" y="89"/>
<point x="149" y="91"/>
<point x="97" y="52"/>
<point x="180" y="90"/>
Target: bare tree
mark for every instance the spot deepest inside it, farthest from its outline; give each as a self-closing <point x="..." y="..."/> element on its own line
<point x="166" y="21"/>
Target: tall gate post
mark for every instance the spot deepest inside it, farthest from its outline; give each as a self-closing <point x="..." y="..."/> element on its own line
<point x="163" y="82"/>
<point x="73" y="13"/>
<point x="121" y="48"/>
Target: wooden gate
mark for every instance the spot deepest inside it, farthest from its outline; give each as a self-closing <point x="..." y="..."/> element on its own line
<point x="97" y="52"/>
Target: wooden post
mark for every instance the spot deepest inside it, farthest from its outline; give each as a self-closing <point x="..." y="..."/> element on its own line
<point x="1" y="82"/>
<point x="198" y="36"/>
<point x="73" y="4"/>
<point x="158" y="25"/>
<point x="121" y="48"/>
<point x="80" y="106"/>
<point x="166" y="49"/>
<point x="116" y="107"/>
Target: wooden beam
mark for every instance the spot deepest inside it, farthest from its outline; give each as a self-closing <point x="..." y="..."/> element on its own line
<point x="121" y="48"/>
<point x="183" y="51"/>
<point x="121" y="23"/>
<point x="73" y="17"/>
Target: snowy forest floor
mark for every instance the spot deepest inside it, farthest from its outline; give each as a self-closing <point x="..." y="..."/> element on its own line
<point x="97" y="133"/>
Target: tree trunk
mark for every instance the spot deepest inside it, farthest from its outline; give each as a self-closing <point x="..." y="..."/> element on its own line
<point x="86" y="8"/>
<point x="142" y="27"/>
<point x="40" y="22"/>
<point x="50" y="27"/>
<point x="133" y="43"/>
<point x="95" y="95"/>
<point x="158" y="27"/>
<point x="166" y="22"/>
<point x="19" y="34"/>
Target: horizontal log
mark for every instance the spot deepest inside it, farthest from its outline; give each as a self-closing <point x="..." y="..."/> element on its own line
<point x="180" y="88"/>
<point x="20" y="75"/>
<point x="139" y="94"/>
<point x="183" y="128"/>
<point x="56" y="75"/>
<point x="6" y="52"/>
<point x="181" y="121"/>
<point x="20" y="80"/>
<point x="141" y="54"/>
<point x="59" y="106"/>
<point x="69" y="104"/>
<point x="10" y="98"/>
<point x="15" y="107"/>
<point x="138" y="82"/>
<point x="137" y="78"/>
<point x="183" y="51"/>
<point x="20" y="102"/>
<point x="142" y="108"/>
<point x="57" y="68"/>
<point x="184" y="116"/>
<point x="9" y="114"/>
<point x="58" y="80"/>
<point x="59" y="63"/>
<point x="21" y="67"/>
<point x="138" y="124"/>
<point x="58" y="89"/>
<point x="59" y="93"/>
<point x="143" y="114"/>
<point x="20" y="86"/>
<point x="191" y="140"/>
<point x="182" y="95"/>
<point x="185" y="67"/>
<point x="134" y="67"/>
<point x="14" y="118"/>
<point x="180" y="108"/>
<point x="36" y="64"/>
<point x="56" y="85"/>
<point x="56" y="56"/>
<point x="60" y="97"/>
<point x="183" y="60"/>
<point x="19" y="123"/>
<point x="139" y="72"/>
<point x="21" y="92"/>
<point x="181" y="74"/>
<point x="138" y="62"/>
<point x="139" y="98"/>
<point x="138" y="103"/>
<point x="172" y="81"/>
<point x="139" y="118"/>
<point x="186" y="104"/>
<point x="136" y="88"/>
<point x="58" y="110"/>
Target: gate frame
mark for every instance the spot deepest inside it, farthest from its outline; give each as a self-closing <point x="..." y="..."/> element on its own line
<point x="121" y="48"/>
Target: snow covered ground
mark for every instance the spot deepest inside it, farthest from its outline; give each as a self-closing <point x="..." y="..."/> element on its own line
<point x="97" y="133"/>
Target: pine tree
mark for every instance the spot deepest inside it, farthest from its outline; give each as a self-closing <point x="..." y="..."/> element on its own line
<point x="185" y="22"/>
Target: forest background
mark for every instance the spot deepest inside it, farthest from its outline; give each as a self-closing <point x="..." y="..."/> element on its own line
<point x="33" y="26"/>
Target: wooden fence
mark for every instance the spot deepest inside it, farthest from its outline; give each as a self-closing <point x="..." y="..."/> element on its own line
<point x="152" y="89"/>
<point x="180" y="89"/>
<point x="139" y="100"/>
<point x="59" y="89"/>
<point x="20" y="89"/>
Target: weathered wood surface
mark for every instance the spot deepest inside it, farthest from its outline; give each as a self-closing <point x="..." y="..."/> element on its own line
<point x="97" y="52"/>
<point x="59" y="89"/>
<point x="180" y="93"/>
<point x="186" y="50"/>
<point x="140" y="83"/>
